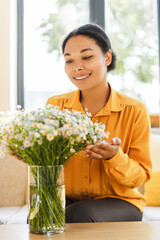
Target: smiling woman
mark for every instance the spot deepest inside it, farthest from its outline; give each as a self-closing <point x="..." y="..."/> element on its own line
<point x="101" y="182"/>
<point x="85" y="63"/>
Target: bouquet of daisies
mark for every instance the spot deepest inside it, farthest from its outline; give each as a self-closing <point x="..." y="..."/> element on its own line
<point x="47" y="137"/>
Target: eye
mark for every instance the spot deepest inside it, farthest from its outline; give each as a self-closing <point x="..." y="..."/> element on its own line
<point x="69" y="61"/>
<point x="87" y="57"/>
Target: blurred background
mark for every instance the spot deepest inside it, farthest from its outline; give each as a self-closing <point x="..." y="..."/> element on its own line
<point x="32" y="48"/>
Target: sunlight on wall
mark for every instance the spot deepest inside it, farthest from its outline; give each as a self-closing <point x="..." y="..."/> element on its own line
<point x="4" y="55"/>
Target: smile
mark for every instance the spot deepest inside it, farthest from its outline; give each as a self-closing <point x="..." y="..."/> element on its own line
<point x="80" y="78"/>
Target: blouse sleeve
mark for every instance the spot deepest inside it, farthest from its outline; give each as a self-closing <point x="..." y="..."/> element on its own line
<point x="133" y="169"/>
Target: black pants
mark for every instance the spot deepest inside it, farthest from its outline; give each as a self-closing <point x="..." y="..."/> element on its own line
<point x="101" y="210"/>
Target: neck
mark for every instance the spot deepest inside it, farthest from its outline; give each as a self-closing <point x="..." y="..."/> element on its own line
<point x="95" y="99"/>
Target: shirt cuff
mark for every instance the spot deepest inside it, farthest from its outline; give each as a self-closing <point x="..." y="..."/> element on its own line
<point x="119" y="159"/>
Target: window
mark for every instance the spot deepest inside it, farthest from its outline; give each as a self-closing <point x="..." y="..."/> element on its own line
<point x="45" y="25"/>
<point x="132" y="28"/>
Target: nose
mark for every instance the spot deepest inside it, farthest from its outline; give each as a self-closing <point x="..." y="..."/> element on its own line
<point x="78" y="66"/>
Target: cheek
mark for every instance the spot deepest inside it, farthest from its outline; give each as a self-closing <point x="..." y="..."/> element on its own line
<point x="98" y="68"/>
<point x="68" y="72"/>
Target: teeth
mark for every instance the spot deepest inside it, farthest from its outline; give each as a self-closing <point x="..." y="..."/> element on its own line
<point x="79" y="78"/>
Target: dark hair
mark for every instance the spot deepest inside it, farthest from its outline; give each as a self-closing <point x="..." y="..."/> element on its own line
<point x="98" y="34"/>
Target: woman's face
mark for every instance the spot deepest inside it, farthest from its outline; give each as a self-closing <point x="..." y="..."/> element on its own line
<point x="85" y="63"/>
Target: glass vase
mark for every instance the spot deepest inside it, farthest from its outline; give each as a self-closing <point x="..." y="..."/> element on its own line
<point x="47" y="199"/>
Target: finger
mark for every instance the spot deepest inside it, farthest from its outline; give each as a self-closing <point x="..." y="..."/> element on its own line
<point x="104" y="145"/>
<point x="96" y="150"/>
<point x="94" y="155"/>
<point x="116" y="141"/>
<point x="88" y="147"/>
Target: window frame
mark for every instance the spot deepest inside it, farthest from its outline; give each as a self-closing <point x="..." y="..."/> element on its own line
<point x="97" y="12"/>
<point x="20" y="53"/>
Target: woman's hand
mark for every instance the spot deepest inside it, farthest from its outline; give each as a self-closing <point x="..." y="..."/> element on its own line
<point x="105" y="150"/>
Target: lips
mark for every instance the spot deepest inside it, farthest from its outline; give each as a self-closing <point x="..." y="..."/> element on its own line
<point x="78" y="78"/>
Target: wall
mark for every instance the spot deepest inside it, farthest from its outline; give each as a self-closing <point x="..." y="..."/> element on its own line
<point x="7" y="54"/>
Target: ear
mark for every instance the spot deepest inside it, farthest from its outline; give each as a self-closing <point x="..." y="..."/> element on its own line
<point x="108" y="56"/>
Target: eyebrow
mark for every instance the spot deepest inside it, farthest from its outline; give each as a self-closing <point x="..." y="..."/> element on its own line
<point x="83" y="50"/>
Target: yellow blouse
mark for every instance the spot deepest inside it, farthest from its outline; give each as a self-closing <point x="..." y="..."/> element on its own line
<point x="87" y="178"/>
